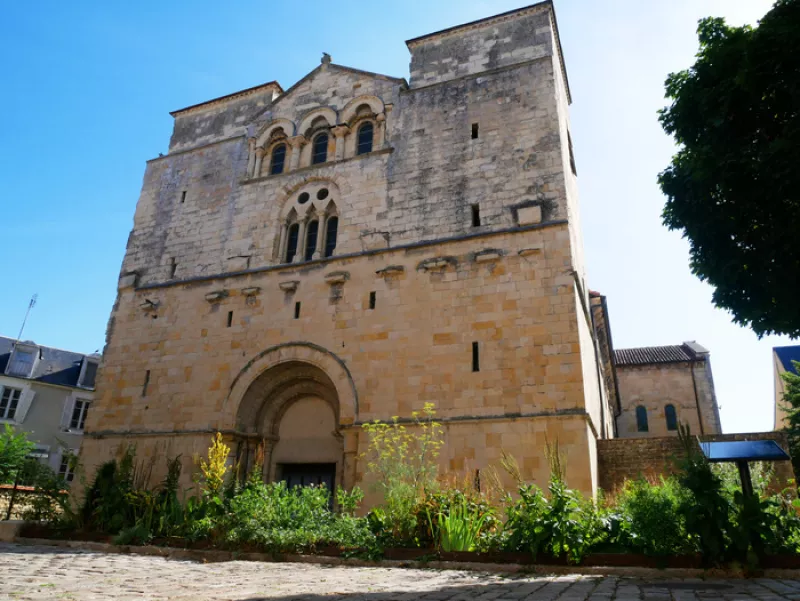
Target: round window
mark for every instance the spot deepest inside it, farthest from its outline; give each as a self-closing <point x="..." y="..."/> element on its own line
<point x="322" y="194"/>
<point x="303" y="198"/>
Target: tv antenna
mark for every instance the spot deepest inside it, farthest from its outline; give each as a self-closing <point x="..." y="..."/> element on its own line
<point x="31" y="305"/>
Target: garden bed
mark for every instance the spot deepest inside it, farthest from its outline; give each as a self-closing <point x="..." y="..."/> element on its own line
<point x="621" y="560"/>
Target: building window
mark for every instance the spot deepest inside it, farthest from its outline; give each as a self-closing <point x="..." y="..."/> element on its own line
<point x="311" y="239"/>
<point x="21" y="364"/>
<point x="476" y="216"/>
<point x="9" y="402"/>
<point x="474" y="131"/>
<point x="331" y="230"/>
<point x="571" y="155"/>
<point x="67" y="468"/>
<point x="365" y="136"/>
<point x="476" y="358"/>
<point x="79" y="411"/>
<point x="320" y="149"/>
<point x="671" y="417"/>
<point x="641" y="419"/>
<point x="89" y="375"/>
<point x="277" y="159"/>
<point x="291" y="243"/>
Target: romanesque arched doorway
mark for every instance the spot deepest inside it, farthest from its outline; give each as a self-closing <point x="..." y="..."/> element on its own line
<point x="291" y="412"/>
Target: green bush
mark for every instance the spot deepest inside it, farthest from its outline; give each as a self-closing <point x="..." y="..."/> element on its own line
<point x="563" y="524"/>
<point x="650" y="518"/>
<point x="281" y="519"/>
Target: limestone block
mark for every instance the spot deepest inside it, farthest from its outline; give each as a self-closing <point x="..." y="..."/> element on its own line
<point x="529" y="215"/>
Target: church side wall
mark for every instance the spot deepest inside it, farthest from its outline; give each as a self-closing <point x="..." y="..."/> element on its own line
<point x="655" y="386"/>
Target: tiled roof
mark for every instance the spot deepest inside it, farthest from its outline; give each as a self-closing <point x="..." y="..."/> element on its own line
<point x="649" y="355"/>
<point x="787" y="354"/>
<point x="54" y="366"/>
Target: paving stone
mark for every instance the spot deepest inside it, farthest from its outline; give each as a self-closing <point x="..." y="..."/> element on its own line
<point x="31" y="573"/>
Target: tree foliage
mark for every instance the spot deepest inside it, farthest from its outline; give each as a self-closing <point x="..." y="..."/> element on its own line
<point x="791" y="405"/>
<point x="14" y="450"/>
<point x="733" y="188"/>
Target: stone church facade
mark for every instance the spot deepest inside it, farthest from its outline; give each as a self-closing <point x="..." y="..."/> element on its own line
<point x="303" y="261"/>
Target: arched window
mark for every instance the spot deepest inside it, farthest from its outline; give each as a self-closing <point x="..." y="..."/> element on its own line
<point x="312" y="232"/>
<point x="641" y="419"/>
<point x="320" y="149"/>
<point x="671" y="417"/>
<point x="277" y="160"/>
<point x="365" y="136"/>
<point x="291" y="242"/>
<point x="330" y="235"/>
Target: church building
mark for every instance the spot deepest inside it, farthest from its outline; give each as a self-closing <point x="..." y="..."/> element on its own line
<point x="306" y="260"/>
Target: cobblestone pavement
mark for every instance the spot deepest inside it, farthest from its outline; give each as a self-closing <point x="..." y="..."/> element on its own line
<point x="28" y="572"/>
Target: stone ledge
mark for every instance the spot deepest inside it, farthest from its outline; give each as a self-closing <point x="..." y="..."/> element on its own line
<point x="251" y="291"/>
<point x="437" y="263"/>
<point x="216" y="296"/>
<point x="487" y="255"/>
<point x="337" y="277"/>
<point x="391" y="270"/>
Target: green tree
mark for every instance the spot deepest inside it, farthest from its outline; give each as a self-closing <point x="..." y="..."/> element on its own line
<point x="733" y="188"/>
<point x="14" y="450"/>
<point x="791" y="404"/>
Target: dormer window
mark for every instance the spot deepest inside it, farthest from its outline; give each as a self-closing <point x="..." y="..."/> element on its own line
<point x="21" y="362"/>
<point x="88" y="374"/>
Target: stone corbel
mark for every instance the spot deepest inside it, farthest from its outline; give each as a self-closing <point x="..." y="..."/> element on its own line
<point x="216" y="296"/>
<point x="487" y="255"/>
<point x="289" y="286"/>
<point x="437" y="263"/>
<point x="391" y="270"/>
<point x="531" y="250"/>
<point x="337" y="277"/>
<point x="251" y="291"/>
<point x="149" y="305"/>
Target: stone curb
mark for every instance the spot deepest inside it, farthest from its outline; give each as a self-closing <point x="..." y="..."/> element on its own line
<point x="209" y="556"/>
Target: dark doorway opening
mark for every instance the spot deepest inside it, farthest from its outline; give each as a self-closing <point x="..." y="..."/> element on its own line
<point x="308" y="474"/>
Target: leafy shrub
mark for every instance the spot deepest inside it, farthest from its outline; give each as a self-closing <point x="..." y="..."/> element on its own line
<point x="565" y="524"/>
<point x="283" y="519"/>
<point x="650" y="518"/>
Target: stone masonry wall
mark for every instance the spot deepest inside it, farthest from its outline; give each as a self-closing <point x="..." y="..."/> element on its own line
<point x="627" y="459"/>
<point x="203" y="294"/>
<point x="655" y="386"/>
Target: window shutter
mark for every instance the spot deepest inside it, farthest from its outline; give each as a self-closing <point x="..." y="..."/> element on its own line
<point x="66" y="414"/>
<point x="24" y="404"/>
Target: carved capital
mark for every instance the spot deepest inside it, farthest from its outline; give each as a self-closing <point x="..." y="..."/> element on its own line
<point x="297" y="141"/>
<point x="380" y="118"/>
<point x="340" y="131"/>
<point x="260" y="151"/>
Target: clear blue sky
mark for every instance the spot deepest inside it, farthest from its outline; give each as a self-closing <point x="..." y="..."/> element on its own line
<point x="87" y="87"/>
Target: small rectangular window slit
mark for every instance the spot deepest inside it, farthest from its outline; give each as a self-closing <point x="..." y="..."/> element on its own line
<point x="474" y="131"/>
<point x="297" y="310"/>
<point x="476" y="361"/>
<point x="230" y="318"/>
<point x="476" y="216"/>
<point x="146" y="382"/>
<point x="183" y="196"/>
<point x="371" y="300"/>
<point x="173" y="268"/>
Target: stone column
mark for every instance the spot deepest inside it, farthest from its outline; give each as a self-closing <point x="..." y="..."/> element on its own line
<point x="339" y="132"/>
<point x="282" y="242"/>
<point x="300" y="255"/>
<point x="269" y="443"/>
<point x="350" y="469"/>
<point x="296" y="143"/>
<point x="251" y="157"/>
<point x="323" y="222"/>
<point x="380" y="131"/>
<point x="259" y="158"/>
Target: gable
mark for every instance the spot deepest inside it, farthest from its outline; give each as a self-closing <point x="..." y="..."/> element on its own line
<point x="329" y="85"/>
